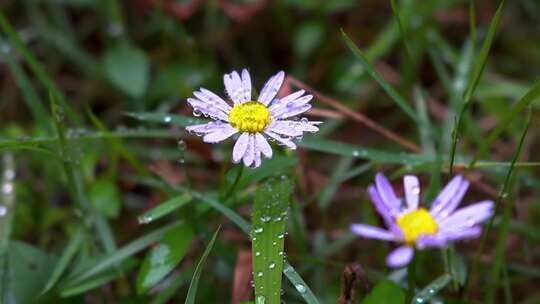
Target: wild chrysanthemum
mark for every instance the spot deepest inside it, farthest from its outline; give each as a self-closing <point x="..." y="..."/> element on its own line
<point x="267" y="117"/>
<point x="414" y="226"/>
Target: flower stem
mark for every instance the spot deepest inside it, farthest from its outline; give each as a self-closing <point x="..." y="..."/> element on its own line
<point x="411" y="279"/>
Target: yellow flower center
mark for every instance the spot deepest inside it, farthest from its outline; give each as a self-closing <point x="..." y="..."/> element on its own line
<point x="416" y="223"/>
<point x="251" y="116"/>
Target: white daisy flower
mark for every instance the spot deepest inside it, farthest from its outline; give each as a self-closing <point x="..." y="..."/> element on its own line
<point x="255" y="121"/>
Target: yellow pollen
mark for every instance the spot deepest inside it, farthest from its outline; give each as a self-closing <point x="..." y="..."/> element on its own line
<point x="251" y="116"/>
<point x="415" y="224"/>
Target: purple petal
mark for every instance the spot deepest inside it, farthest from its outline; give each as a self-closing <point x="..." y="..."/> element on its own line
<point x="240" y="147"/>
<point x="373" y="232"/>
<point x="262" y="144"/>
<point x="383" y="210"/>
<point x="468" y="233"/>
<point x="387" y="195"/>
<point x="212" y="99"/>
<point x="271" y="88"/>
<point x="467" y="217"/>
<point x="207" y="109"/>
<point x="446" y="194"/>
<point x="246" y="84"/>
<point x="438" y="240"/>
<point x="234" y="87"/>
<point x="282" y="140"/>
<point x="257" y="161"/>
<point x="249" y="156"/>
<point x="400" y="256"/>
<point x="446" y="209"/>
<point x="412" y="191"/>
<point x="220" y="134"/>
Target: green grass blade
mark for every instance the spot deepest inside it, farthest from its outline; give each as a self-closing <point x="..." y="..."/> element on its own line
<point x="396" y="97"/>
<point x="476" y="74"/>
<point x="121" y="254"/>
<point x="166" y="118"/>
<point x="518" y="107"/>
<point x="268" y="234"/>
<point x="192" y="291"/>
<point x="299" y="284"/>
<point x="164" y="208"/>
<point x="432" y="289"/>
<point x="502" y="235"/>
<point x="69" y="252"/>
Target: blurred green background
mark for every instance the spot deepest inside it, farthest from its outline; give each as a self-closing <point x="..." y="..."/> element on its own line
<point x="76" y="202"/>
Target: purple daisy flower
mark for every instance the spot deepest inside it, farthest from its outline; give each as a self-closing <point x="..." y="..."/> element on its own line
<point x="414" y="226"/>
<point x="255" y="121"/>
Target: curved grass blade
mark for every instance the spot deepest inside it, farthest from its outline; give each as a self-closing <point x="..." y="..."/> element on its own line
<point x="478" y="68"/>
<point x="502" y="235"/>
<point x="166" y="118"/>
<point x="69" y="252"/>
<point x="121" y="254"/>
<point x="431" y="290"/>
<point x="268" y="234"/>
<point x="299" y="284"/>
<point x="396" y="97"/>
<point x="164" y="208"/>
<point x="192" y="291"/>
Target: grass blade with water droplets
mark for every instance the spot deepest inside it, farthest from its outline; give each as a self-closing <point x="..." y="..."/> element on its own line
<point x="268" y="234"/>
<point x="164" y="208"/>
<point x="431" y="290"/>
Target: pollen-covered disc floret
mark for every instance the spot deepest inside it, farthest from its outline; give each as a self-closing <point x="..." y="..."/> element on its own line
<point x="252" y="117"/>
<point x="416" y="223"/>
<point x="417" y="227"/>
<point x="255" y="120"/>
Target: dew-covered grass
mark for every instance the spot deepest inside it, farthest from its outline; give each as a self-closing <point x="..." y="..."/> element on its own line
<point x="105" y="197"/>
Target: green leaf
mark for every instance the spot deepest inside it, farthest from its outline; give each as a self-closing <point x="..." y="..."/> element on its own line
<point x="105" y="197"/>
<point x="432" y="289"/>
<point x="29" y="269"/>
<point x="396" y="97"/>
<point x="165" y="208"/>
<point x="127" y="68"/>
<point x="385" y="292"/>
<point x="163" y="257"/>
<point x="268" y="234"/>
<point x="192" y="291"/>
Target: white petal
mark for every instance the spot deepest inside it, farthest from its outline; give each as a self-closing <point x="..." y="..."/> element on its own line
<point x="257" y="161"/>
<point x="240" y="147"/>
<point x="271" y="88"/>
<point x="284" y="141"/>
<point x="207" y="109"/>
<point x="249" y="156"/>
<point x="220" y="134"/>
<point x="412" y="191"/>
<point x="212" y="99"/>
<point x="292" y="128"/>
<point x="246" y="85"/>
<point x="209" y="127"/>
<point x="234" y="87"/>
<point x="294" y="111"/>
<point x="292" y="106"/>
<point x="263" y="145"/>
<point x="278" y="103"/>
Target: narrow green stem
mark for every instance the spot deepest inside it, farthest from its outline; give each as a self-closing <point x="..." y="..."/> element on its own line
<point x="234" y="184"/>
<point x="411" y="279"/>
